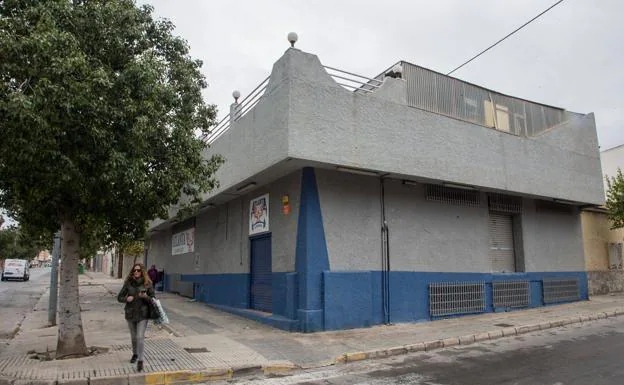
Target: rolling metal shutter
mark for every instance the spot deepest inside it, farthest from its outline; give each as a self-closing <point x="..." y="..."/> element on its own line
<point x="261" y="274"/>
<point x="501" y="243"/>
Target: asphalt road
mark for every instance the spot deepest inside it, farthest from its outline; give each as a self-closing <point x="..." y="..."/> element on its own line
<point x="17" y="299"/>
<point x="579" y="354"/>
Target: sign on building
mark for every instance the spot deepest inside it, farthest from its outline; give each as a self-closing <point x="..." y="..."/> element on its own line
<point x="183" y="242"/>
<point x="259" y="215"/>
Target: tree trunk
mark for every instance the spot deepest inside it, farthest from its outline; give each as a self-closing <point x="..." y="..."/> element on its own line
<point x="71" y="341"/>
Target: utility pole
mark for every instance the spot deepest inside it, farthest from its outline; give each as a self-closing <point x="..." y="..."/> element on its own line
<point x="56" y="254"/>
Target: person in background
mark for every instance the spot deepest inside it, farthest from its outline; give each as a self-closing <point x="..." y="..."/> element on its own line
<point x="153" y="275"/>
<point x="136" y="293"/>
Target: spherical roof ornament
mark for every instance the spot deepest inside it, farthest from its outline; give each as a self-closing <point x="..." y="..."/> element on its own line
<point x="236" y="95"/>
<point x="292" y="38"/>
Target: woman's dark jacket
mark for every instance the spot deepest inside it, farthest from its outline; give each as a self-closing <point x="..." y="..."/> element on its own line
<point x="138" y="309"/>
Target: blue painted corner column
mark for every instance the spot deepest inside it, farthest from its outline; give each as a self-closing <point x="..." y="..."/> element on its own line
<point x="311" y="255"/>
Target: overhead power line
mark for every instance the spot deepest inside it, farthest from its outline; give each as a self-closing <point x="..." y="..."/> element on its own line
<point x="516" y="30"/>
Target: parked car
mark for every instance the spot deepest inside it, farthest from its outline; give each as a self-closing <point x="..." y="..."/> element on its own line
<point x="16" y="269"/>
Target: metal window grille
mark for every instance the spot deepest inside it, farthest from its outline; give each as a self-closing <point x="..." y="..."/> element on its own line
<point x="451" y="195"/>
<point x="511" y="294"/>
<point x="448" y="298"/>
<point x="505" y="203"/>
<point x="561" y="290"/>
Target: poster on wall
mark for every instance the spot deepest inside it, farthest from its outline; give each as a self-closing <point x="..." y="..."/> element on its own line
<point x="259" y="215"/>
<point x="183" y="242"/>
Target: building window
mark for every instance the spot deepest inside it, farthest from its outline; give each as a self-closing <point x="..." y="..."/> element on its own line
<point x="505" y="203"/>
<point x="456" y="196"/>
<point x="497" y="116"/>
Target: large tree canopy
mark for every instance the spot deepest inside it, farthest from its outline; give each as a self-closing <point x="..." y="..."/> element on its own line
<point x="100" y="106"/>
<point x="615" y="199"/>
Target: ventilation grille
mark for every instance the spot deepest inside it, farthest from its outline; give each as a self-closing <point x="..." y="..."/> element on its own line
<point x="561" y="290"/>
<point x="448" y="298"/>
<point x="508" y="294"/>
<point x="453" y="196"/>
<point x="505" y="203"/>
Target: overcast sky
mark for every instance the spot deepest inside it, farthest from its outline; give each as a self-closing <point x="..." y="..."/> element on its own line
<point x="572" y="57"/>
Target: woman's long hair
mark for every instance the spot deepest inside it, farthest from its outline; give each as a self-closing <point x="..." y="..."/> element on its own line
<point x="146" y="279"/>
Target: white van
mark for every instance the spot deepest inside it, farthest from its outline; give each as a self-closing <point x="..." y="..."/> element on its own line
<point x="16" y="269"/>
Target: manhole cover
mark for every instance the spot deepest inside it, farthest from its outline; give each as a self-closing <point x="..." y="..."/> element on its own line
<point x="197" y="350"/>
<point x="503" y="325"/>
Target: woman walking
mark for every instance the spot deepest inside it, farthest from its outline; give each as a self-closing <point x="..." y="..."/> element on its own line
<point x="136" y="293"/>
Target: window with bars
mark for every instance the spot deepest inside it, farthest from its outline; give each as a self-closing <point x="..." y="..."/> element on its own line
<point x="505" y="203"/>
<point x="450" y="195"/>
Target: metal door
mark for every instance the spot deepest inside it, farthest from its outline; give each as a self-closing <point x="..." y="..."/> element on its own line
<point x="261" y="277"/>
<point x="501" y="253"/>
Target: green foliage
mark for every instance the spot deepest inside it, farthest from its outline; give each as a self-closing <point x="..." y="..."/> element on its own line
<point x="615" y="199"/>
<point x="135" y="248"/>
<point x="100" y="108"/>
<point x="15" y="244"/>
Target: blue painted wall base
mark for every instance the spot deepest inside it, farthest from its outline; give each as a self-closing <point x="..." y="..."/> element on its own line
<point x="353" y="299"/>
<point x="310" y="321"/>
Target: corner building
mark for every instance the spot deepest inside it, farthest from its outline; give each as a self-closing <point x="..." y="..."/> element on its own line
<point x="347" y="202"/>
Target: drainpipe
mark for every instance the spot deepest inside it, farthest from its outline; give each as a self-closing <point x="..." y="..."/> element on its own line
<point x="385" y="255"/>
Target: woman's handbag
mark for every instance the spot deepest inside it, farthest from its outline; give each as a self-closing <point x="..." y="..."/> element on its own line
<point x="158" y="310"/>
<point x="154" y="314"/>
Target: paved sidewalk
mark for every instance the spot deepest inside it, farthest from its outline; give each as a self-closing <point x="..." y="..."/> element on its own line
<point x="203" y="343"/>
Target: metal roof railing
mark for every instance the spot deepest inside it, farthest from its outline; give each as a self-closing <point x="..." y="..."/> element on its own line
<point x="352" y="81"/>
<point x="243" y="107"/>
<point x="349" y="80"/>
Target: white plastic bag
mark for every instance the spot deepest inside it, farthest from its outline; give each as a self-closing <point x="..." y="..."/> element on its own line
<point x="162" y="319"/>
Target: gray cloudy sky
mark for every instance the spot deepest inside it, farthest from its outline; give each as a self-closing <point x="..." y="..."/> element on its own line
<point x="572" y="57"/>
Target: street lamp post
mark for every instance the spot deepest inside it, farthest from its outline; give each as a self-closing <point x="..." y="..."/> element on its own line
<point x="56" y="253"/>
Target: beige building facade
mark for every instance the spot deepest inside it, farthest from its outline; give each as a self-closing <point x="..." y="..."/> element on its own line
<point x="604" y="247"/>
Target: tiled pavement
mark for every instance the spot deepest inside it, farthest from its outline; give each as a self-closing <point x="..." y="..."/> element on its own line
<point x="203" y="343"/>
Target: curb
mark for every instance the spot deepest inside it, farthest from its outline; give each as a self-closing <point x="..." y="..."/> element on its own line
<point x="165" y="378"/>
<point x="472" y="338"/>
